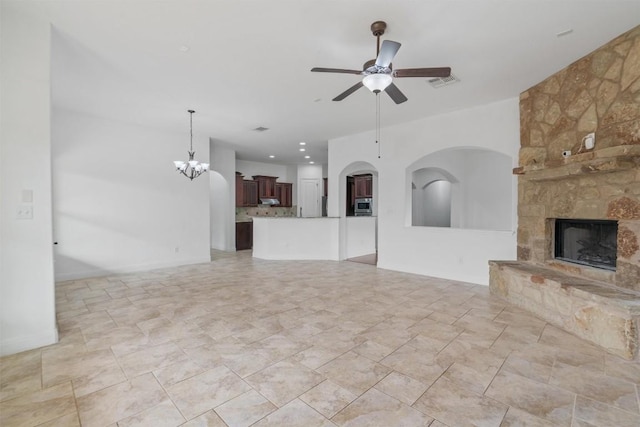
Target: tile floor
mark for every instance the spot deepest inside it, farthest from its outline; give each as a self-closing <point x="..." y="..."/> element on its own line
<point x="241" y="342"/>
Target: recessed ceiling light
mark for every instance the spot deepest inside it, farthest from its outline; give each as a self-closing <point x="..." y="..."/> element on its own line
<point x="311" y="163"/>
<point x="184" y="48"/>
<point x="303" y="143"/>
<point x="272" y="156"/>
<point x="302" y="149"/>
<point x="307" y="157"/>
<point x="564" y="32"/>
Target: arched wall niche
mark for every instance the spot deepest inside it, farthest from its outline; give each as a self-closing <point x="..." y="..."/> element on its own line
<point x="472" y="186"/>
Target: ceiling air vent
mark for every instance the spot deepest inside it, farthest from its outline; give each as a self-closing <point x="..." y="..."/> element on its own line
<point x="443" y="81"/>
<point x="261" y="129"/>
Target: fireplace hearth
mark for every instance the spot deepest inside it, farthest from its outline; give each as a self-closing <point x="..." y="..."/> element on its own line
<point x="587" y="242"/>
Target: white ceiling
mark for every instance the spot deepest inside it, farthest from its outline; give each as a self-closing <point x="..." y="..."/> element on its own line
<point x="248" y="61"/>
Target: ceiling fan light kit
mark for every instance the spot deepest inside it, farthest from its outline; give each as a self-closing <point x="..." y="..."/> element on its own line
<point x="377" y="82"/>
<point x="378" y="73"/>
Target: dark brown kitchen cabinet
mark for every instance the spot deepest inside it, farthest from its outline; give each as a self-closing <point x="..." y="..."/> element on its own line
<point x="363" y="186"/>
<point x="266" y="186"/>
<point x="244" y="235"/>
<point x="250" y="193"/>
<point x="246" y="192"/>
<point x="239" y="190"/>
<point x="284" y="192"/>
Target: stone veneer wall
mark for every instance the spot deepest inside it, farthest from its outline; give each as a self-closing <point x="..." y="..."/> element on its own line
<point x="599" y="93"/>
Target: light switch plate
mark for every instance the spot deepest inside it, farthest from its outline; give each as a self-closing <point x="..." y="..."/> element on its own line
<point x="25" y="212"/>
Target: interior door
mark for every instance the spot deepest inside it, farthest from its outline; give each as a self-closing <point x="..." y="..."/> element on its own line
<point x="310" y="206"/>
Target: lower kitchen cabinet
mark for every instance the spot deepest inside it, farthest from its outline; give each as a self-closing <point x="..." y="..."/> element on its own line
<point x="244" y="235"/>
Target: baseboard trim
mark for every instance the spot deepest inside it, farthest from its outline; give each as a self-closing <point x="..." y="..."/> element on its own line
<point x="100" y="272"/>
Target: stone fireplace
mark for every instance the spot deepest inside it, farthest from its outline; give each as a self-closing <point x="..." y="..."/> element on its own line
<point x="592" y="286"/>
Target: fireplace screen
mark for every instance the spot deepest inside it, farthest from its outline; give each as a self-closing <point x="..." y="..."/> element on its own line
<point x="588" y="242"/>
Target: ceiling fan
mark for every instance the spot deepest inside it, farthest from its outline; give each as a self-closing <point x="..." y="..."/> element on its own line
<point x="378" y="73"/>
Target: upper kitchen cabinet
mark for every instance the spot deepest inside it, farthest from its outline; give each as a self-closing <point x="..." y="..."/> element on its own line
<point x="246" y="192"/>
<point x="266" y="186"/>
<point x="250" y="189"/>
<point x="284" y="191"/>
<point x="363" y="186"/>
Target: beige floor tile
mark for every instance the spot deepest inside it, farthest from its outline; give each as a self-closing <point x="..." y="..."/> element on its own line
<point x="377" y="408"/>
<point x="89" y="371"/>
<point x="197" y="330"/>
<point x="538" y="369"/>
<point x="208" y="419"/>
<point x="415" y="364"/>
<point x="69" y="420"/>
<point x="38" y="407"/>
<point x="328" y="398"/>
<point x="354" y="372"/>
<point x="284" y="381"/>
<point x="120" y="401"/>
<point x="372" y="350"/>
<point x="623" y="369"/>
<point x="20" y="373"/>
<point x="599" y="414"/>
<point x="316" y="356"/>
<point x="244" y="410"/>
<point x="295" y="413"/>
<point x="595" y="385"/>
<point x="518" y="418"/>
<point x="457" y="406"/>
<point x="542" y="400"/>
<point x="177" y="372"/>
<point x="104" y="338"/>
<point x="163" y="415"/>
<point x="205" y="391"/>
<point x="151" y="358"/>
<point x="401" y="387"/>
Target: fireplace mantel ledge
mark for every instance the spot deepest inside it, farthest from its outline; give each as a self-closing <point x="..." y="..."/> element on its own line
<point x="606" y="160"/>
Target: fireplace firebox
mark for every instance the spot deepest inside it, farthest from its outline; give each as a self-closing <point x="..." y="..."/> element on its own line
<point x="587" y="242"/>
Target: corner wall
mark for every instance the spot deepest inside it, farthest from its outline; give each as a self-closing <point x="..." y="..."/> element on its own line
<point x="458" y="254"/>
<point x="119" y="205"/>
<point x="27" y="294"/>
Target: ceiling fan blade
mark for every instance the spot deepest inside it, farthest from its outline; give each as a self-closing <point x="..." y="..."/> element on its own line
<point x="423" y="72"/>
<point x="348" y="92"/>
<point x="395" y="94"/>
<point x="335" y="70"/>
<point x="387" y="52"/>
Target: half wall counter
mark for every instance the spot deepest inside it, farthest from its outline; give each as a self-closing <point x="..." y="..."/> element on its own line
<point x="281" y="238"/>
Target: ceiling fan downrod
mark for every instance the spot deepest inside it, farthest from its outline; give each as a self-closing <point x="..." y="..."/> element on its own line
<point x="377" y="29"/>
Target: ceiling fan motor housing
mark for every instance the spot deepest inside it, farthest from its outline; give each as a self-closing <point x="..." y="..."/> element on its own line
<point x="370" y="67"/>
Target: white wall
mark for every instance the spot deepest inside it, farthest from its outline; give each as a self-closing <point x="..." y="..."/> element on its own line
<point x="458" y="254"/>
<point x="360" y="235"/>
<point x="222" y="196"/>
<point x="27" y="293"/>
<point x="249" y="169"/>
<point x="119" y="204"/>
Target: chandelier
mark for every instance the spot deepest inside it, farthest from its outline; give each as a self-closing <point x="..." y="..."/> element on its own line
<point x="191" y="168"/>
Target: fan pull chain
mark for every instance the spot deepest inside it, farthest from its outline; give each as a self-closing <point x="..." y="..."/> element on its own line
<point x="378" y="122"/>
